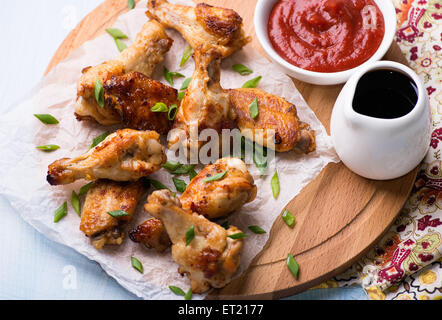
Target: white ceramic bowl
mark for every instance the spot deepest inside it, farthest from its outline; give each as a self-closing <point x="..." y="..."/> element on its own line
<point x="262" y="13"/>
<point x="381" y="149"/>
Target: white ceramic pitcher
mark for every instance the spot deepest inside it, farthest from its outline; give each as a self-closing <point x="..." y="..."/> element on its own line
<point x="381" y="149"/>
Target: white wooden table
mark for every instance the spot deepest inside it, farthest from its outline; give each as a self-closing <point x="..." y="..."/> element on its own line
<point x="32" y="267"/>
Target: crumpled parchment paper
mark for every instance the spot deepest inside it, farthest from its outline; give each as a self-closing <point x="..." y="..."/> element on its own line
<point x="24" y="169"/>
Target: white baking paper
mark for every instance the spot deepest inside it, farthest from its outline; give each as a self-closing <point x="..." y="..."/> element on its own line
<point x="23" y="168"/>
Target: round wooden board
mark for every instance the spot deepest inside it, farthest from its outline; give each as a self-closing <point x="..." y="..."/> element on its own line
<point x="339" y="216"/>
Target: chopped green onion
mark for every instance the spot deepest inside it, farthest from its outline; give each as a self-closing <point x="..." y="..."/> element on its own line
<point x="216" y="177"/>
<point x="171" y="165"/>
<point x="99" y="93"/>
<point x="179" y="184"/>
<point x="116" y="33"/>
<point x="288" y="218"/>
<point x="242" y="69"/>
<point x="170" y="75"/>
<point x="49" y="147"/>
<point x="136" y="264"/>
<point x="118" y="213"/>
<point x="46" y="118"/>
<point x="177" y="291"/>
<point x="257" y="230"/>
<point x="185" y="84"/>
<point x="186" y="55"/>
<point x="160" y="107"/>
<point x="238" y="235"/>
<point x="120" y="45"/>
<point x="173" y="110"/>
<point x="99" y="139"/>
<point x="188" y="295"/>
<point x="158" y="185"/>
<point x="184" y="169"/>
<point x="131" y="4"/>
<point x="75" y="201"/>
<point x="252" y="83"/>
<point x="181" y="95"/>
<point x="61" y="212"/>
<point x="292" y="265"/>
<point x="190" y="234"/>
<point x="260" y="158"/>
<point x="84" y="189"/>
<point x="275" y="185"/>
<point x="192" y="174"/>
<point x="253" y="108"/>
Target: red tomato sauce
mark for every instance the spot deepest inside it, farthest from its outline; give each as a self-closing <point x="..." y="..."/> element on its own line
<point x="326" y="35"/>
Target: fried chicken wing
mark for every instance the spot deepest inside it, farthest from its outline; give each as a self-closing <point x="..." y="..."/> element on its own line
<point x="218" y="28"/>
<point x="211" y="258"/>
<point x="218" y="199"/>
<point x="152" y="234"/>
<point x="126" y="155"/>
<point x="205" y="105"/>
<point x="107" y="196"/>
<point x="133" y="95"/>
<point x="275" y="113"/>
<point x="148" y="50"/>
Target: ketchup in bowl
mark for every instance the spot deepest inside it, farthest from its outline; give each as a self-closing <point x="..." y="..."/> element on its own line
<point x="326" y="35"/>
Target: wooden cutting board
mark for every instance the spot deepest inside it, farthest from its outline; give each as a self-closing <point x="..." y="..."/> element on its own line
<point x="339" y="215"/>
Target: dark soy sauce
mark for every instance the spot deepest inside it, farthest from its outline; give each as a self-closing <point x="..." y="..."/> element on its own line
<point x="385" y="94"/>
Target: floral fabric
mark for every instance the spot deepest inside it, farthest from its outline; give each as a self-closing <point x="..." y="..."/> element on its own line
<point x="407" y="263"/>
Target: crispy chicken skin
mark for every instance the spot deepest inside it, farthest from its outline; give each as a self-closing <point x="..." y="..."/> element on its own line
<point x="274" y="113"/>
<point x="218" y="28"/>
<point x="103" y="197"/>
<point x="152" y="234"/>
<point x="212" y="258"/>
<point x="133" y="95"/>
<point x="205" y="105"/>
<point x="126" y="155"/>
<point x="218" y="199"/>
<point x="148" y="50"/>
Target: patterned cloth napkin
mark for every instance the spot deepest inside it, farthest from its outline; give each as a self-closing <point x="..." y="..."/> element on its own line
<point x="407" y="263"/>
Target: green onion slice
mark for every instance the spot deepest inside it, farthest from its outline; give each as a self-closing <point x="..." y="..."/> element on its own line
<point x="288" y="218"/>
<point x="181" y="95"/>
<point x="242" y="69"/>
<point x="216" y="177"/>
<point x="157" y="184"/>
<point x="136" y="264"/>
<point x="186" y="55"/>
<point x="173" y="110"/>
<point x="99" y="139"/>
<point x="171" y="165"/>
<point x="190" y="234"/>
<point x="84" y="189"/>
<point x="257" y="230"/>
<point x="170" y="75"/>
<point x="131" y="4"/>
<point x="99" y="93"/>
<point x="275" y="185"/>
<point x="293" y="265"/>
<point x="160" y="107"/>
<point x="46" y="118"/>
<point x="184" y="169"/>
<point x="189" y="295"/>
<point x="185" y="84"/>
<point x="192" y="174"/>
<point x="238" y="235"/>
<point x="75" y="201"/>
<point x="120" y="45"/>
<point x="253" y="108"/>
<point x="116" y="33"/>
<point x="180" y="185"/>
<point x="118" y="213"/>
<point x="49" y="147"/>
<point x="61" y="212"/>
<point x="253" y="83"/>
<point x="178" y="291"/>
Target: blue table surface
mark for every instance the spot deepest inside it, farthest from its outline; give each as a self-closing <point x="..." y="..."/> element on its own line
<point x="33" y="267"/>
